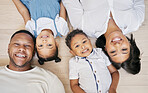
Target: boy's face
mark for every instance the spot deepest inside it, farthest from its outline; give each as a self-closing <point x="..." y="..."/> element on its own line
<point x="81" y="46"/>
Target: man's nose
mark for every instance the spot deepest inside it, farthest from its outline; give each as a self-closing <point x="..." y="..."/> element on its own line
<point x="21" y="48"/>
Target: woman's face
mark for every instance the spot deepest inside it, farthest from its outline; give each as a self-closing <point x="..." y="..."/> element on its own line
<point x="117" y="47"/>
<point x="45" y="44"/>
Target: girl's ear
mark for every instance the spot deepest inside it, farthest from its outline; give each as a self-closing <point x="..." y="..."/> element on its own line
<point x="56" y="43"/>
<point x="35" y="50"/>
<point x="72" y="52"/>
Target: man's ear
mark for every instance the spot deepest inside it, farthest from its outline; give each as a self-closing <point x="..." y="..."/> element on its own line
<point x="34" y="52"/>
<point x="8" y="46"/>
<point x="72" y="52"/>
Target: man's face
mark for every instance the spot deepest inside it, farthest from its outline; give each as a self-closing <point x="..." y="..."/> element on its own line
<point x="81" y="45"/>
<point x="21" y="50"/>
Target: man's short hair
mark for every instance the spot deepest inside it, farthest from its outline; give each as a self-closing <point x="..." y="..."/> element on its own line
<point x="26" y="32"/>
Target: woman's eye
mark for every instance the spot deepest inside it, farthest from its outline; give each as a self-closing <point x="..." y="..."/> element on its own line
<point x="40" y="45"/>
<point x="124" y="49"/>
<point x="112" y="51"/>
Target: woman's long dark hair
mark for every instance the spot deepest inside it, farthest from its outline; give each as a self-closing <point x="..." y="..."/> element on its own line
<point x="132" y="64"/>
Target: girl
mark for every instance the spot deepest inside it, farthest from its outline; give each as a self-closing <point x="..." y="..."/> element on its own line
<point x="46" y="19"/>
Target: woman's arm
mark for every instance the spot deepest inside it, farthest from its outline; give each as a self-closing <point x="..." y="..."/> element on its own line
<point x="62" y="11"/>
<point x="115" y="78"/>
<point x="139" y="9"/>
<point x="75" y="86"/>
<point x="22" y="10"/>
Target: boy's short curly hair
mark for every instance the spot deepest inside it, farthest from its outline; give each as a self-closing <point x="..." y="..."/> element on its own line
<point x="71" y="35"/>
<point x="132" y="64"/>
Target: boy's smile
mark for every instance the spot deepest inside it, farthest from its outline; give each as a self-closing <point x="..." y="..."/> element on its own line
<point x="81" y="46"/>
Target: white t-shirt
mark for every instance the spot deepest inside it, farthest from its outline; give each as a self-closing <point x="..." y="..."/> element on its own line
<point x="92" y="16"/>
<point x="36" y="80"/>
<point x="91" y="71"/>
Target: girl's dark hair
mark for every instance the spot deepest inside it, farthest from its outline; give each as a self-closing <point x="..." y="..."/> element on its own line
<point x="71" y="35"/>
<point x="132" y="64"/>
<point x="54" y="57"/>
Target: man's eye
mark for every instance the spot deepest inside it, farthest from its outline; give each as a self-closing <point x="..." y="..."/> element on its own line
<point x="27" y="46"/>
<point x="16" y="44"/>
<point x="40" y="45"/>
<point x="76" y="46"/>
<point x="112" y="51"/>
<point x="124" y="49"/>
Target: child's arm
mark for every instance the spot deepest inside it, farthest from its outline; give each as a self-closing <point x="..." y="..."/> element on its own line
<point x="115" y="78"/>
<point x="75" y="86"/>
<point x="62" y="11"/>
<point x="22" y="10"/>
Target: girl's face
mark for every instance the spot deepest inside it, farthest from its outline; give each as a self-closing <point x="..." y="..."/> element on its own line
<point x="117" y="47"/>
<point x="45" y="44"/>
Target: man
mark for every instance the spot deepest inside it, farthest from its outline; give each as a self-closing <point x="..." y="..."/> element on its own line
<point x="19" y="76"/>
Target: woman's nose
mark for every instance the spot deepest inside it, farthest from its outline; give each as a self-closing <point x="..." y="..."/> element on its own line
<point x="117" y="42"/>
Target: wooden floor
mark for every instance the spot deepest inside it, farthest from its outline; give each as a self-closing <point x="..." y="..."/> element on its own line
<point x="10" y="21"/>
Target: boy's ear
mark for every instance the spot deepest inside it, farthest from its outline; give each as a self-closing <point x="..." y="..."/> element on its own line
<point x="72" y="52"/>
<point x="105" y="49"/>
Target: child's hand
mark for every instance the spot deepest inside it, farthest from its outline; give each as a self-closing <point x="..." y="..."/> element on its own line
<point x="111" y="90"/>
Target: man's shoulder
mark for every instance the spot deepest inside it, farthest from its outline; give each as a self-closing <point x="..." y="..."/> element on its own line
<point x="45" y="72"/>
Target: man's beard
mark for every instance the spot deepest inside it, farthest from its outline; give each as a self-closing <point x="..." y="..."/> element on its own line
<point x="14" y="63"/>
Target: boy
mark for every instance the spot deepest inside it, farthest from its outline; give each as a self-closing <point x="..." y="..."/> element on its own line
<point x="90" y="70"/>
